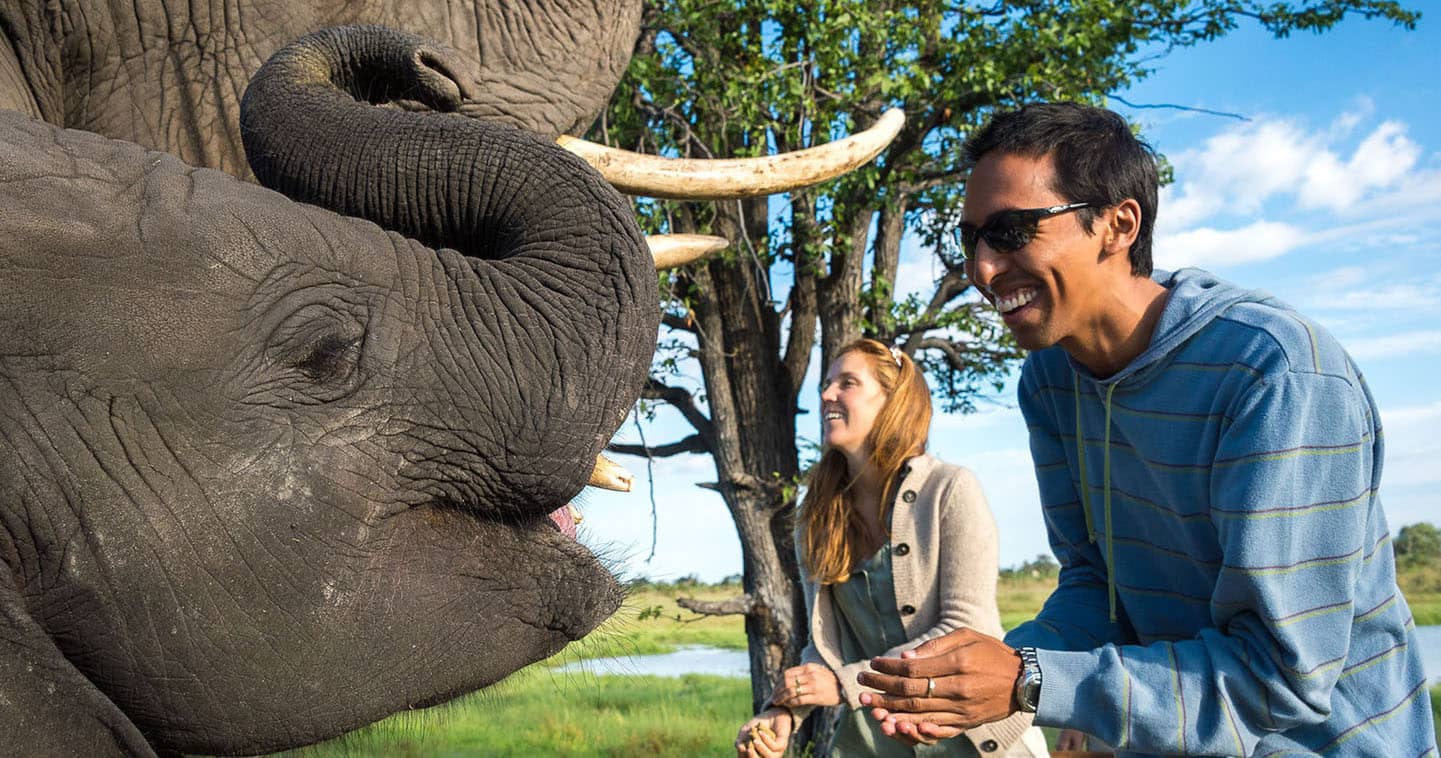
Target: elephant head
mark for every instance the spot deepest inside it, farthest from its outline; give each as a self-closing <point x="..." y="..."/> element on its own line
<point x="268" y="473"/>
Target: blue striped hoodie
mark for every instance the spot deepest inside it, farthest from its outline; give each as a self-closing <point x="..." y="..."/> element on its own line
<point x="1227" y="582"/>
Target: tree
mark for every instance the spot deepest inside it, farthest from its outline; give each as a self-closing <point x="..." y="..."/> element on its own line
<point x="1417" y="544"/>
<point x="731" y="78"/>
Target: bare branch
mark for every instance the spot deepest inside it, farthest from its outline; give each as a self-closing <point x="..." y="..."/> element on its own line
<point x="684" y="402"/>
<point x="1190" y="108"/>
<point x="741" y="606"/>
<point x="691" y="444"/>
<point x="952" y="285"/>
<point x="946" y="348"/>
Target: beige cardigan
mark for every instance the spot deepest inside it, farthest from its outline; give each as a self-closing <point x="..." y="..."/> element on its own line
<point x="944" y="560"/>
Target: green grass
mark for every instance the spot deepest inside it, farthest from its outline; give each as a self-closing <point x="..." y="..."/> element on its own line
<point x="650" y="622"/>
<point x="1436" y="710"/>
<point x="1422" y="587"/>
<point x="540" y="712"/>
<point x="1021" y="597"/>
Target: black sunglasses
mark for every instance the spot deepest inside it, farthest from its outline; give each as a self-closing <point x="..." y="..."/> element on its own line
<point x="1009" y="231"/>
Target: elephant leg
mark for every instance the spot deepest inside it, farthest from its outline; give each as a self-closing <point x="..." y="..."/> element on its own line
<point x="46" y="706"/>
<point x="15" y="92"/>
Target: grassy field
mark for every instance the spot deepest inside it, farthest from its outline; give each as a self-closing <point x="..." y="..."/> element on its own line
<point x="1422" y="587"/>
<point x="539" y="711"/>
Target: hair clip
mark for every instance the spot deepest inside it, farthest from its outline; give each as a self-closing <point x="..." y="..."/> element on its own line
<point x="896" y="353"/>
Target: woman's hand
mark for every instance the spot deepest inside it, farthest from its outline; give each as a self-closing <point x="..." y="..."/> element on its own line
<point x="766" y="735"/>
<point x="807" y="684"/>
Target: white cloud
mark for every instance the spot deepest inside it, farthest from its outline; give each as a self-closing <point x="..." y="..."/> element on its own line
<point x="1389" y="297"/>
<point x="1403" y="345"/>
<point x="1412" y="448"/>
<point x="1239" y="171"/>
<point x="1343" y="278"/>
<point x="1210" y="248"/>
<point x="1383" y="159"/>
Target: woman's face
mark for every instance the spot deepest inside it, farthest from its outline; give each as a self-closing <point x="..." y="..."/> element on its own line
<point x="851" y="398"/>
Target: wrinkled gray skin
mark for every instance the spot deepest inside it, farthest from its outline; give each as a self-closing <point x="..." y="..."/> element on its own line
<point x="170" y="75"/>
<point x="269" y="473"/>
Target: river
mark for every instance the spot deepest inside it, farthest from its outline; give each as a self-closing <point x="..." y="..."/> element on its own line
<point x="691" y="659"/>
<point x="1428" y="638"/>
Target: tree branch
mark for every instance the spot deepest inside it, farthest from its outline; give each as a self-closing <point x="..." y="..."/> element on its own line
<point x="691" y="444"/>
<point x="946" y="348"/>
<point x="742" y="606"/>
<point x="678" y="323"/>
<point x="1192" y="109"/>
<point x="682" y="401"/>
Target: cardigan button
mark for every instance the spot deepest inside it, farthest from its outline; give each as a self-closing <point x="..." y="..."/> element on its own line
<point x="907" y="610"/>
<point x="903" y="549"/>
<point x="909" y="496"/>
<point x="989" y="746"/>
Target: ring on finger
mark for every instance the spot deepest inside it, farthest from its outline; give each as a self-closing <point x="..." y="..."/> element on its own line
<point x="930" y="686"/>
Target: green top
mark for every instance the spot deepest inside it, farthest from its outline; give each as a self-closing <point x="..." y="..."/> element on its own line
<point x="870" y="625"/>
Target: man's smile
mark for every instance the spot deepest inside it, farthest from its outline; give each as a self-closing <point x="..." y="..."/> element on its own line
<point x="1015" y="299"/>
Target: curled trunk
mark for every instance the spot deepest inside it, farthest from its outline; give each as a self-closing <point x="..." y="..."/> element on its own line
<point x="557" y="275"/>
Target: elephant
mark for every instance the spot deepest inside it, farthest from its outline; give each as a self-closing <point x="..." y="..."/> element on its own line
<point x="275" y="466"/>
<point x="270" y="473"/>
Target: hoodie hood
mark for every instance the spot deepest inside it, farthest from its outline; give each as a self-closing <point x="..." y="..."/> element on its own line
<point x="1196" y="298"/>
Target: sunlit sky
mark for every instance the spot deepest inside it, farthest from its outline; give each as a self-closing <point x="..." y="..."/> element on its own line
<point x="1327" y="195"/>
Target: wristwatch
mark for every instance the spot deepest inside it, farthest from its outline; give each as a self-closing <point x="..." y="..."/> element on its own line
<point x="1028" y="683"/>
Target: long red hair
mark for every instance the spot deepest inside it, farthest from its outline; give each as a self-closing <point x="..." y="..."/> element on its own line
<point x="834" y="532"/>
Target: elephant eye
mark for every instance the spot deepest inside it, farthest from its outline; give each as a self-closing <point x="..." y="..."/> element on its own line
<point x="330" y="359"/>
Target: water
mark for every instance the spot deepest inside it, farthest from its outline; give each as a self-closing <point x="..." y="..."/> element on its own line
<point x="1428" y="638"/>
<point x="691" y="659"/>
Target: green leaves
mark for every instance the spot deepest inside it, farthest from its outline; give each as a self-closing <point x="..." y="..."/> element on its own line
<point x="723" y="78"/>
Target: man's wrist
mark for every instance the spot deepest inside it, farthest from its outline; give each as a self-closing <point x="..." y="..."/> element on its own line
<point x="1028" y="681"/>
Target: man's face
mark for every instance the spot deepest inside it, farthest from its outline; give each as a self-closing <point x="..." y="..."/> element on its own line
<point x="1053" y="289"/>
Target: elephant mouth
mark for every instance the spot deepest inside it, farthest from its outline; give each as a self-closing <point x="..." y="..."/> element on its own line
<point x="607" y="475"/>
<point x="567" y="518"/>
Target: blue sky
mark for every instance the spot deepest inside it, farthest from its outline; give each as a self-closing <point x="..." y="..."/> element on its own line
<point x="1328" y="196"/>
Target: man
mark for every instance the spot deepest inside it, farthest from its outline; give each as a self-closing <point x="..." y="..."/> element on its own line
<point x="1208" y="462"/>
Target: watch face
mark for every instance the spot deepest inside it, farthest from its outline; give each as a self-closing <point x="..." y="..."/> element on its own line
<point x="1031" y="692"/>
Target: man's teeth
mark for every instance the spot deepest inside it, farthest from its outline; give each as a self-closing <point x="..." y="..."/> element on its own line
<point x="1008" y="303"/>
<point x="833" y="415"/>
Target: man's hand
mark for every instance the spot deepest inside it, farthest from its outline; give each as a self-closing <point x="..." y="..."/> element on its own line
<point x="974" y="682"/>
<point x="807" y="684"/>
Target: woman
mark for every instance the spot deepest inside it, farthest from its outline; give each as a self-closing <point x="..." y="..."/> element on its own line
<point x="895" y="548"/>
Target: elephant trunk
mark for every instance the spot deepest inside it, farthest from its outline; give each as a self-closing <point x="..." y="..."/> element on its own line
<point x="557" y="286"/>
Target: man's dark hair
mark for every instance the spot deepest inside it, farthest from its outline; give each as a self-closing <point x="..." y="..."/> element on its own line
<point x="1096" y="156"/>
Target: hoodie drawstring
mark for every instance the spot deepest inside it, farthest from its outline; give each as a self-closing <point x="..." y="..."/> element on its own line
<point x="1081" y="461"/>
<point x="1106" y="487"/>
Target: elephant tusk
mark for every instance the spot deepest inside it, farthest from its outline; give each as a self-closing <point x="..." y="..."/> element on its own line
<point x="726" y="178"/>
<point x="609" y="475"/>
<point x="676" y="250"/>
